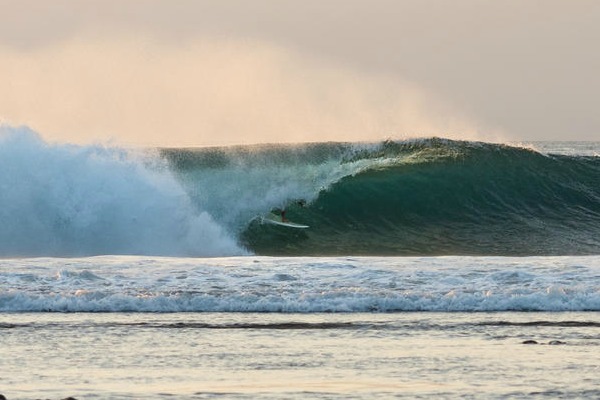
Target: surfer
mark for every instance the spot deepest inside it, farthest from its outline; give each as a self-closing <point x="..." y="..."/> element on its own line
<point x="300" y="202"/>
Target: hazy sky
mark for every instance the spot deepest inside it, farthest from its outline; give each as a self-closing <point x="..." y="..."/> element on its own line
<point x="195" y="72"/>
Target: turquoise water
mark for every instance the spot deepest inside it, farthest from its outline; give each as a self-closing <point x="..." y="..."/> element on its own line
<point x="423" y="197"/>
<point x="420" y="197"/>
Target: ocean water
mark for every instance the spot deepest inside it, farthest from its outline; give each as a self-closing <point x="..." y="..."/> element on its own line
<point x="299" y="356"/>
<point x="431" y="269"/>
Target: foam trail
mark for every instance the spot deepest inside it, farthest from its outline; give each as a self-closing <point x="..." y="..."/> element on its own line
<point x="64" y="200"/>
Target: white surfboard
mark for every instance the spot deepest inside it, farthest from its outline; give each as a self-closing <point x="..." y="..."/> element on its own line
<point x="276" y="220"/>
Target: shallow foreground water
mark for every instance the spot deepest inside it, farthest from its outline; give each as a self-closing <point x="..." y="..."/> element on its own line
<point x="296" y="356"/>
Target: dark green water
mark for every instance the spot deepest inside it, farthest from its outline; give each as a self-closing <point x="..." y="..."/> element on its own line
<point x="425" y="197"/>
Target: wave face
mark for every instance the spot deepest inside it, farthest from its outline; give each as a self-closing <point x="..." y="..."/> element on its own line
<point x="59" y="200"/>
<point x="424" y="197"/>
<point x="420" y="197"/>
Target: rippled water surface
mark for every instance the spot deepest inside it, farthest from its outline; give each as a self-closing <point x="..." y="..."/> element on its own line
<point x="295" y="356"/>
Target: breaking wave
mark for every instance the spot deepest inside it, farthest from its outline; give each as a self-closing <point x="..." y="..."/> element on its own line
<point x="418" y="197"/>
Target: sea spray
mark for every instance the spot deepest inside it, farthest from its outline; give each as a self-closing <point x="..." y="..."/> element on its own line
<point x="64" y="200"/>
<point x="238" y="184"/>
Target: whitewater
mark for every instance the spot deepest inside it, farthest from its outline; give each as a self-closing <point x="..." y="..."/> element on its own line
<point x="431" y="268"/>
<point x="300" y="284"/>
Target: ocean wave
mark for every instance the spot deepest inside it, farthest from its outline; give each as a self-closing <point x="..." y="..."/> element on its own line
<point x="310" y="285"/>
<point x="418" y="197"/>
<point x="324" y="303"/>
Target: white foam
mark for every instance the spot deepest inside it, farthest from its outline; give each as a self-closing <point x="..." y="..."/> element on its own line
<point x="255" y="284"/>
<point x="66" y="200"/>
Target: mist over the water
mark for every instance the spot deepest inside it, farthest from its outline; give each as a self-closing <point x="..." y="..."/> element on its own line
<point x="202" y="72"/>
<point x="212" y="91"/>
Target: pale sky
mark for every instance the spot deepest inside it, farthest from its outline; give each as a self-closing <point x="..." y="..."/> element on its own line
<point x="195" y="72"/>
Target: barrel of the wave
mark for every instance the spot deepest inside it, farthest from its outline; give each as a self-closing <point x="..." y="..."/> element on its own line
<point x="441" y="197"/>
